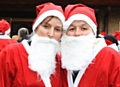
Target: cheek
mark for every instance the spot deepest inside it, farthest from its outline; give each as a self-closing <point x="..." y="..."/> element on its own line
<point x="57" y="36"/>
<point x="41" y="32"/>
<point x="69" y="33"/>
<point x="86" y="33"/>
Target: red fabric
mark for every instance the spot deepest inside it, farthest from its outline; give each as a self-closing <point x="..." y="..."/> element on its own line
<point x="108" y="42"/>
<point x="40" y="9"/>
<point x="117" y="35"/>
<point x="103" y="72"/>
<point x="71" y="10"/>
<point x="5" y="42"/>
<point x="14" y="71"/>
<point x="4" y="26"/>
<point x="103" y="33"/>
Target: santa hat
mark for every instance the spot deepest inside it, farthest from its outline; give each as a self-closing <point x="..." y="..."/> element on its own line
<point x="117" y="35"/>
<point x="80" y="12"/>
<point x="102" y="34"/>
<point x="109" y="39"/>
<point x="45" y="10"/>
<point x="4" y="27"/>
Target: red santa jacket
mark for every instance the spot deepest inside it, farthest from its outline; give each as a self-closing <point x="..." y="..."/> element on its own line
<point x="14" y="71"/>
<point x="104" y="71"/>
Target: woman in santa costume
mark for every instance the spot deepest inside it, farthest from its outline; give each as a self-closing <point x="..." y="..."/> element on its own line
<point x="86" y="60"/>
<point x="35" y="63"/>
<point x="4" y="34"/>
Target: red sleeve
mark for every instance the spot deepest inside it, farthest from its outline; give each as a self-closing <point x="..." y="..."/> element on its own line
<point x="114" y="74"/>
<point x="1" y="70"/>
<point x="115" y="70"/>
<point x="5" y="71"/>
<point x="116" y="82"/>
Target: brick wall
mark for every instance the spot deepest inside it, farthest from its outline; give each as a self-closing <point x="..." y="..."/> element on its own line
<point x="113" y="20"/>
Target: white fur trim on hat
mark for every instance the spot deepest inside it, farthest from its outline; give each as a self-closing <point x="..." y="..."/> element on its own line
<point x="49" y="13"/>
<point x="7" y="32"/>
<point x="80" y="17"/>
<point x="100" y="35"/>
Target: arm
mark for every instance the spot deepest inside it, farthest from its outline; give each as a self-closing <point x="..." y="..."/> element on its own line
<point x="115" y="70"/>
<point x="5" y="75"/>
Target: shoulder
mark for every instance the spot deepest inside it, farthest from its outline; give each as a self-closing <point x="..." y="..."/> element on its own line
<point x="109" y="50"/>
<point x="8" y="41"/>
<point x="109" y="54"/>
<point x="12" y="47"/>
<point x="11" y="52"/>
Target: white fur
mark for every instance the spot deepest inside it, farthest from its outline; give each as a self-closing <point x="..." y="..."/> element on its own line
<point x="114" y="46"/>
<point x="45" y="14"/>
<point x="119" y="46"/>
<point x="4" y="37"/>
<point x="42" y="55"/>
<point x="80" y="17"/>
<point x="76" y="51"/>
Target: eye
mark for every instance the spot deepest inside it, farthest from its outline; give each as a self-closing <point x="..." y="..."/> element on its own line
<point x="84" y="28"/>
<point x="58" y="29"/>
<point x="71" y="29"/>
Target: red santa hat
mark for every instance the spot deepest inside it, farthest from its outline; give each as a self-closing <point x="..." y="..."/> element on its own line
<point x="80" y="12"/>
<point x="117" y="35"/>
<point x="109" y="39"/>
<point x="45" y="10"/>
<point x="4" y="27"/>
<point x="102" y="34"/>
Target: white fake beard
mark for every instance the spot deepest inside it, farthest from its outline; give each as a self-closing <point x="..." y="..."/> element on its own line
<point x="76" y="51"/>
<point x="42" y="55"/>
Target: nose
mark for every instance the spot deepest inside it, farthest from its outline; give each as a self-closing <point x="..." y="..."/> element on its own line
<point x="78" y="32"/>
<point x="51" y="33"/>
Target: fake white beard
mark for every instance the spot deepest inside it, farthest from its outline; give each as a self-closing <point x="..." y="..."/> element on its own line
<point x="76" y="51"/>
<point x="42" y="55"/>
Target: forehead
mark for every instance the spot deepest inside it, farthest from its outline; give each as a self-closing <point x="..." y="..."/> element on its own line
<point x="79" y="22"/>
<point x="52" y="20"/>
<point x="49" y="18"/>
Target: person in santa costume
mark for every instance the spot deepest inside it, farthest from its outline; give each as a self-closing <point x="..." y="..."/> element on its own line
<point x="87" y="61"/>
<point x="111" y="41"/>
<point x="101" y="34"/>
<point x="4" y="34"/>
<point x="36" y="63"/>
<point x="117" y="35"/>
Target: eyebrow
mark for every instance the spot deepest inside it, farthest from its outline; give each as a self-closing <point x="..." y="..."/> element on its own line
<point x="71" y="25"/>
<point x="59" y="27"/>
<point x="50" y="24"/>
<point x="45" y="23"/>
<point x="81" y="25"/>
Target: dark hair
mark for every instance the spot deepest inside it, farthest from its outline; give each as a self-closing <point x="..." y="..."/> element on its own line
<point x="23" y="32"/>
<point x="46" y="20"/>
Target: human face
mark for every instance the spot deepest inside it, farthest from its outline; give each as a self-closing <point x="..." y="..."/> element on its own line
<point x="79" y="28"/>
<point x="51" y="27"/>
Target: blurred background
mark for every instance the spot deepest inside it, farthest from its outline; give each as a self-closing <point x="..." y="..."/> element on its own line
<point x="21" y="13"/>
